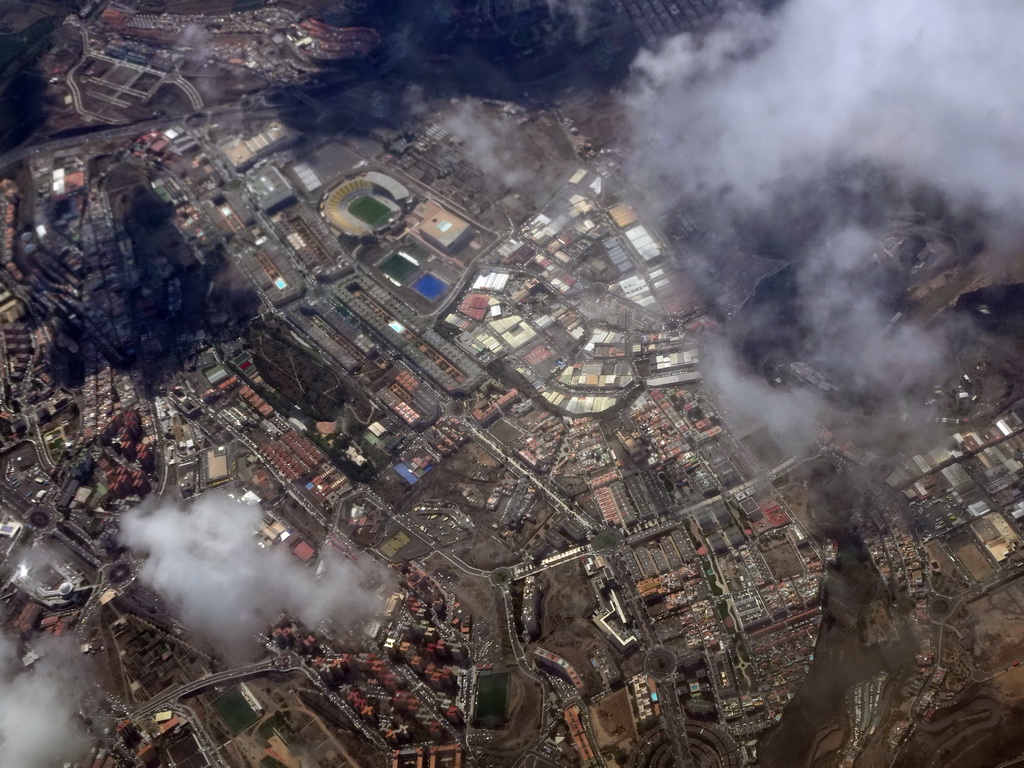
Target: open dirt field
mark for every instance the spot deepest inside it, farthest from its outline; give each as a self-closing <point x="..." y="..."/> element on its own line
<point x="1009" y="685"/>
<point x="612" y="720"/>
<point x="564" y="630"/>
<point x="797" y="498"/>
<point x="937" y="554"/>
<point x="949" y="579"/>
<point x="828" y="740"/>
<point x="999" y="627"/>
<point x="782" y="558"/>
<point x="15" y="18"/>
<point x="523" y="713"/>
<point x="973" y="559"/>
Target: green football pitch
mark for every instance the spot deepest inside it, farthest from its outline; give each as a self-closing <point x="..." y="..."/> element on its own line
<point x="370" y="211"/>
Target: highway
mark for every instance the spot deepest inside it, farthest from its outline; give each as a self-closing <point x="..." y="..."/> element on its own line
<point x="168" y="698"/>
<point x="675" y="724"/>
<point x="131" y="130"/>
<point x="171" y="700"/>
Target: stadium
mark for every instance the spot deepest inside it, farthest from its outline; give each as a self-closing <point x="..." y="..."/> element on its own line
<point x="364" y="205"/>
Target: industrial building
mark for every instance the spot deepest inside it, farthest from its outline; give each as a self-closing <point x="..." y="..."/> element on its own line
<point x="243" y="151"/>
<point x="272" y="190"/>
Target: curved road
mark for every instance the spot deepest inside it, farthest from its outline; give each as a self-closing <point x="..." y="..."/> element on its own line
<point x="167" y="699"/>
<point x="985" y="707"/>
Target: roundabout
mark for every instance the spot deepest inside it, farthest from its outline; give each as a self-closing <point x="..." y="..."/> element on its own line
<point x="607" y="540"/>
<point x="120" y="573"/>
<point x="40" y="519"/>
<point x="940" y="607"/>
<point x="660" y="663"/>
<point x="500" y="577"/>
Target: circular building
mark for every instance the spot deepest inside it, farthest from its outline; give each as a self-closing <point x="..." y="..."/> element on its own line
<point x="364" y="205"/>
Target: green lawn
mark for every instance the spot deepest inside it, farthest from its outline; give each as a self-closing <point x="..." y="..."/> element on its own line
<point x="491" y="698"/>
<point x="398" y="267"/>
<point x="272" y="724"/>
<point x="235" y="711"/>
<point x="370" y="211"/>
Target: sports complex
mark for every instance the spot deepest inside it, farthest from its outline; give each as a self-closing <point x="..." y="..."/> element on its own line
<point x="365" y="204"/>
<point x="406" y="267"/>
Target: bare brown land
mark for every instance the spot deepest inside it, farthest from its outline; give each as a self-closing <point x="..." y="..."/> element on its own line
<point x="972" y="557"/>
<point x="999" y="627"/>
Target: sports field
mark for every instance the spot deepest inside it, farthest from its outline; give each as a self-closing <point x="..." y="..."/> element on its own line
<point x="398" y="267"/>
<point x="235" y="711"/>
<point x="370" y="211"/>
<point x="491" y="698"/>
<point x="430" y="287"/>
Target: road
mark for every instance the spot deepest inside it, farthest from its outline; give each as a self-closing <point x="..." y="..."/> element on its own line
<point x="371" y="734"/>
<point x="455" y="561"/>
<point x="517" y="648"/>
<point x="675" y="724"/>
<point x="628" y="592"/>
<point x="514" y="463"/>
<point x="171" y="700"/>
<point x="986" y="707"/>
<point x="206" y="743"/>
<point x="168" y="698"/>
<point x="76" y="95"/>
<point x="21" y="154"/>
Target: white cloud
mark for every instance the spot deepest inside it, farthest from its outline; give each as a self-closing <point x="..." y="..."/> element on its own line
<point x="929" y="87"/>
<point x="39" y="722"/>
<point x="204" y="559"/>
<point x="801" y="134"/>
<point x="580" y="11"/>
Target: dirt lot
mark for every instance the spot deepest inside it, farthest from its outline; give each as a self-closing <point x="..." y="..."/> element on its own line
<point x="782" y="558"/>
<point x="999" y="627"/>
<point x="472" y="469"/>
<point x="565" y="630"/>
<point x="972" y="558"/>
<point x="949" y="579"/>
<point x="612" y="719"/>
<point x="796" y="497"/>
<point x="524" y="704"/>
<point x="1010" y="685"/>
<point x="937" y="554"/>
<point x="15" y="18"/>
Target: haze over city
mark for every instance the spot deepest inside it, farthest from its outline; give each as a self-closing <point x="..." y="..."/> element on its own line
<point x="511" y="384"/>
